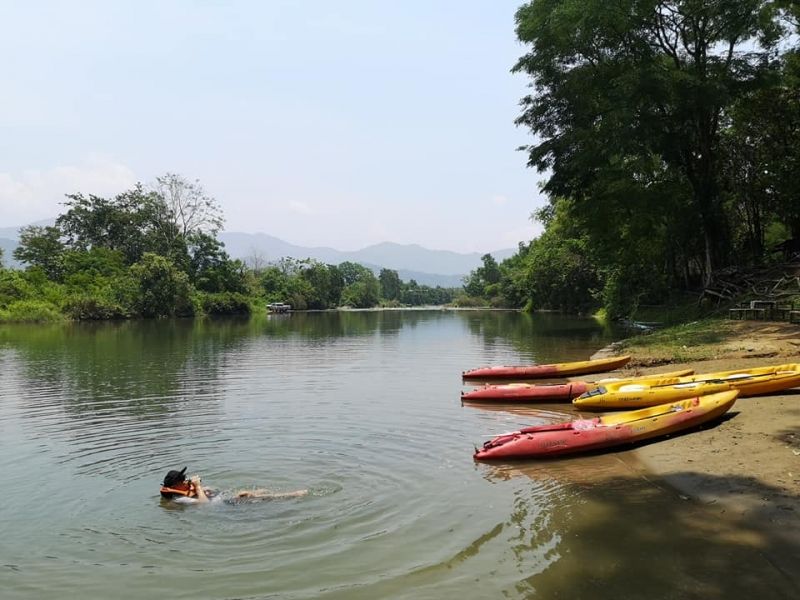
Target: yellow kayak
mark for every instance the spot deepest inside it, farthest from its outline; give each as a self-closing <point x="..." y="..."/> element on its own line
<point x="649" y="392"/>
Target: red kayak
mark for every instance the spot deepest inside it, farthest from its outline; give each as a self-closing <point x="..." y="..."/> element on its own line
<point x="544" y="371"/>
<point x="518" y="392"/>
<point x="583" y="435"/>
<point x="549" y="392"/>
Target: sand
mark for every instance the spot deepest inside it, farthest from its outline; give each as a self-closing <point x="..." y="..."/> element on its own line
<point x="746" y="467"/>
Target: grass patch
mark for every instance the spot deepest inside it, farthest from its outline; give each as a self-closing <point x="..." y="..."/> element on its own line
<point x="698" y="340"/>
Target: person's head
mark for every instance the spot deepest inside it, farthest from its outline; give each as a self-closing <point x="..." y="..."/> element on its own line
<point x="174" y="480"/>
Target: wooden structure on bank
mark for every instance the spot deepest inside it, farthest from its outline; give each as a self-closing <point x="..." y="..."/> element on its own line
<point x="766" y="293"/>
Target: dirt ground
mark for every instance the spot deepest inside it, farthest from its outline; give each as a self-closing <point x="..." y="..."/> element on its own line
<point x="746" y="466"/>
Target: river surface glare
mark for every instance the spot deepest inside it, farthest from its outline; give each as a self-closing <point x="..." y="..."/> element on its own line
<point x="363" y="410"/>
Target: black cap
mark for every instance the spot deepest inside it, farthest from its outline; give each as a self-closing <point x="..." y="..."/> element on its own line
<point x="174" y="477"/>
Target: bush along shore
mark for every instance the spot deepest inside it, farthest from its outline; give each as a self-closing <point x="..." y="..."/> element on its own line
<point x="154" y="252"/>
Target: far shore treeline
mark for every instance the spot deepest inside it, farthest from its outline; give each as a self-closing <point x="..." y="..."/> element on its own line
<point x="154" y="253"/>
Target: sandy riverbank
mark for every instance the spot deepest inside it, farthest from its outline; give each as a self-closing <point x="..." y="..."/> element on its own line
<point x="746" y="467"/>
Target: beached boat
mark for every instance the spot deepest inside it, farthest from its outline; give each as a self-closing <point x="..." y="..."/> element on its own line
<point x="548" y="392"/>
<point x="584" y="435"/>
<point x="544" y="371"/>
<point x="750" y="382"/>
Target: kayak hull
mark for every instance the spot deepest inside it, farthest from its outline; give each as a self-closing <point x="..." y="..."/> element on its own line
<point x="560" y="392"/>
<point x="586" y="435"/>
<point x="557" y="392"/>
<point x="749" y="382"/>
<point x="546" y="371"/>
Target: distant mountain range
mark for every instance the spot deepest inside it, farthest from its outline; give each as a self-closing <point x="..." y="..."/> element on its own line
<point x="411" y="261"/>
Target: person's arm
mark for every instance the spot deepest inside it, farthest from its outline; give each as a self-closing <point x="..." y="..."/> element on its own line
<point x="201" y="493"/>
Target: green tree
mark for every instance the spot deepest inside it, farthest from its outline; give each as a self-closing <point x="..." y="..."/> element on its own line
<point x="210" y="267"/>
<point x="390" y="284"/>
<point x="632" y="96"/>
<point x="163" y="290"/>
<point x="129" y="223"/>
<point x="41" y="247"/>
<point x="364" y="293"/>
<point x="353" y="272"/>
<point x="326" y="285"/>
<point x="275" y="282"/>
<point x="482" y="282"/>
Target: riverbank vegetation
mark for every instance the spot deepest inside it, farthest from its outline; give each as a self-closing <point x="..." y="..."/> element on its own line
<point x="154" y="253"/>
<point x="668" y="134"/>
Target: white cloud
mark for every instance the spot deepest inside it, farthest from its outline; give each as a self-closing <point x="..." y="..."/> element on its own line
<point x="499" y="200"/>
<point x="301" y="207"/>
<point x="36" y="194"/>
<point x="510" y="239"/>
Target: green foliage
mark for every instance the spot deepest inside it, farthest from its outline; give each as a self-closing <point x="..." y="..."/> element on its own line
<point x="210" y="267"/>
<point x="483" y="281"/>
<point x="274" y="283"/>
<point x="465" y="301"/>
<point x="225" y="303"/>
<point x="94" y="308"/>
<point x="30" y="311"/>
<point x="391" y="285"/>
<point x="363" y="293"/>
<point x="325" y="285"/>
<point x="164" y="291"/>
<point x="95" y="262"/>
<point x="561" y="274"/>
<point x="669" y="134"/>
<point x="14" y="286"/>
<point x="154" y="253"/>
<point x="631" y="97"/>
<point x="41" y="247"/>
<point x="131" y="224"/>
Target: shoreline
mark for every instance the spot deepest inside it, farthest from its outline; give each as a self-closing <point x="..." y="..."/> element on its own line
<point x="746" y="466"/>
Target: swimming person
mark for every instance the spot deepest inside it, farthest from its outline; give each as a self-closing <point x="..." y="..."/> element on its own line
<point x="191" y="491"/>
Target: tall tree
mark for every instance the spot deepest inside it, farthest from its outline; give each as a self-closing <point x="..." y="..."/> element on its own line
<point x="626" y="92"/>
<point x="390" y="284"/>
<point x="188" y="209"/>
<point x="41" y="247"/>
<point x="128" y="223"/>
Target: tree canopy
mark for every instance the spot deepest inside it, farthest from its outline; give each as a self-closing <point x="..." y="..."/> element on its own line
<point x="666" y="132"/>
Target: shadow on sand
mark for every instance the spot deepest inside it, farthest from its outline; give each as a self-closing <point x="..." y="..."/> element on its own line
<point x="633" y="536"/>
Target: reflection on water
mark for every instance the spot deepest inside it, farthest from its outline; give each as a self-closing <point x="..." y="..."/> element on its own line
<point x="363" y="409"/>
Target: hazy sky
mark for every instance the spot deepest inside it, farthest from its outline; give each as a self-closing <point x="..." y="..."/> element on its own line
<point x="324" y="123"/>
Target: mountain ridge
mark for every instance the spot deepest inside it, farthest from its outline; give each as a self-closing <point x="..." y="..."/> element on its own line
<point x="411" y="261"/>
<point x="390" y="255"/>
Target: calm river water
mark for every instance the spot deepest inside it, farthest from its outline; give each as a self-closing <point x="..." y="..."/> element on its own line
<point x="362" y="409"/>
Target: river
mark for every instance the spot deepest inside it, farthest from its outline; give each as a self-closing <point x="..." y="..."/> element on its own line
<point x="363" y="410"/>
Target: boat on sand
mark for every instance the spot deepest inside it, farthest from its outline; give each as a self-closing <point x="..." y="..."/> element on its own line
<point x="754" y="381"/>
<point x="548" y="392"/>
<point x="522" y="372"/>
<point x="616" y="429"/>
